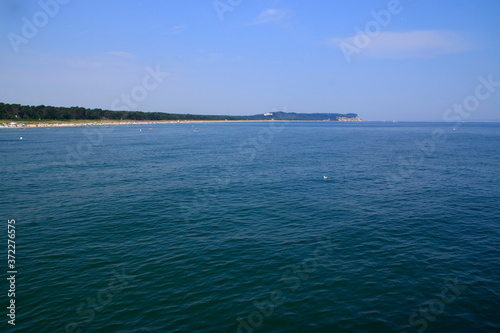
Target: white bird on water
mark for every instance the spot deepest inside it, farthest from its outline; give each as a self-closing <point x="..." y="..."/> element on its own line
<point x="325" y="177"/>
<point x="20" y="138"/>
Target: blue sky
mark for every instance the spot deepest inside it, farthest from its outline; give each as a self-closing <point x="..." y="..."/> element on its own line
<point x="242" y="57"/>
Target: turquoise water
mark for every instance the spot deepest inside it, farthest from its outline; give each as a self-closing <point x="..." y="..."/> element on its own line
<point x="232" y="227"/>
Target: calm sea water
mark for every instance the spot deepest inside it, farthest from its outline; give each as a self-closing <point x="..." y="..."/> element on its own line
<point x="232" y="227"/>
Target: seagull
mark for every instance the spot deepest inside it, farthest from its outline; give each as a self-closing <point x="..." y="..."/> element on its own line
<point x="325" y="177"/>
<point x="20" y="138"/>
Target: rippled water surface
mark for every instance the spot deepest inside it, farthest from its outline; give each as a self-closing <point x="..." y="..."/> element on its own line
<point x="232" y="227"/>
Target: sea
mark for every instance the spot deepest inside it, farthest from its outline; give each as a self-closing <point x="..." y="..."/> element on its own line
<point x="251" y="227"/>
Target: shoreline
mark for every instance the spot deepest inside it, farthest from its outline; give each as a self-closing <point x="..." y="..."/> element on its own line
<point x="107" y="123"/>
<point x="58" y="123"/>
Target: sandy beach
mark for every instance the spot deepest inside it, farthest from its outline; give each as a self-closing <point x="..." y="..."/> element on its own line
<point x="22" y="125"/>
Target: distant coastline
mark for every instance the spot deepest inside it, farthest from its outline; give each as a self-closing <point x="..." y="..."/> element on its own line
<point x="17" y="115"/>
<point x="54" y="124"/>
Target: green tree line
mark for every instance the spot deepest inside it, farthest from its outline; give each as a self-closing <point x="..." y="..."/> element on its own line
<point x="42" y="112"/>
<point x="18" y="112"/>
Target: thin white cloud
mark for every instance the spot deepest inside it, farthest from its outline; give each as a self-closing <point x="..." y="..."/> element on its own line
<point x="272" y="16"/>
<point x="176" y="29"/>
<point x="209" y="58"/>
<point x="122" y="54"/>
<point x="83" y="63"/>
<point x="400" y="45"/>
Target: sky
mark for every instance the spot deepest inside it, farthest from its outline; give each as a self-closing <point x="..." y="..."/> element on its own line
<point x="405" y="60"/>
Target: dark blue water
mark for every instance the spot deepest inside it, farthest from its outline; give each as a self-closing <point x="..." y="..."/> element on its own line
<point x="233" y="227"/>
